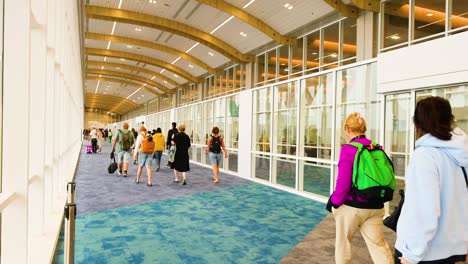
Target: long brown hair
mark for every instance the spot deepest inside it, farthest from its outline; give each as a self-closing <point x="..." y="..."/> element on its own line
<point x="434" y="115"/>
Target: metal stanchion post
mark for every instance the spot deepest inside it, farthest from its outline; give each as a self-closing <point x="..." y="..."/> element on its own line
<point x="69" y="233"/>
<point x="71" y="192"/>
<point x="70" y="214"/>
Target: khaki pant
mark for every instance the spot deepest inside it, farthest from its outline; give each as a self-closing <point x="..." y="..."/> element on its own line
<point x="370" y="222"/>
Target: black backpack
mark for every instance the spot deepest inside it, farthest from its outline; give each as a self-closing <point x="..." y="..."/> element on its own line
<point x="215" y="145"/>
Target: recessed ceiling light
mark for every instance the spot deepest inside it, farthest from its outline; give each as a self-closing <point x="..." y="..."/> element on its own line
<point x="152" y="1"/>
<point x="314" y="53"/>
<point x="175" y="75"/>
<point x="243" y="34"/>
<point x="290" y="7"/>
<point x="334" y="55"/>
<point x="129" y="46"/>
<point x="210" y="53"/>
<point x="395" y="36"/>
<point x="122" y="59"/>
<point x="118" y="68"/>
<point x="165" y="81"/>
<point x="429" y="14"/>
<point x="190" y="65"/>
<point x="286" y="5"/>
<point x="138" y="29"/>
<point x="142" y="95"/>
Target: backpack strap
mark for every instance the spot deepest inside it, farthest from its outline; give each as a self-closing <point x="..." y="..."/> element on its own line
<point x="466" y="178"/>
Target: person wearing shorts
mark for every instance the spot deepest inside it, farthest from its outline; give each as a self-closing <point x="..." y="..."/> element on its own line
<point x="123" y="155"/>
<point x="214" y="147"/>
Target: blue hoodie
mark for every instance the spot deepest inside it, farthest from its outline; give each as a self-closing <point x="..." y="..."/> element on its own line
<point x="434" y="219"/>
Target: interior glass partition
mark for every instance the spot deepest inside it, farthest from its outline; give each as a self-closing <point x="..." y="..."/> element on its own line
<point x="398" y="124"/>
<point x="316" y="106"/>
<point x="231" y="137"/>
<point x="459" y="16"/>
<point x="395" y="23"/>
<point x="429" y="18"/>
<point x="284" y="135"/>
<point x="261" y="133"/>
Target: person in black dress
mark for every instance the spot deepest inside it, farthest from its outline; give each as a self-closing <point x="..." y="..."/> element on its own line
<point x="181" y="159"/>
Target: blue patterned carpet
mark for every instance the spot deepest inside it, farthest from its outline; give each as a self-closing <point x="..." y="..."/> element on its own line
<point x="235" y="222"/>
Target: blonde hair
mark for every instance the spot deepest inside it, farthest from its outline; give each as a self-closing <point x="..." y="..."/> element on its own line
<point x="356" y="123"/>
<point x="182" y="128"/>
<point x="143" y="128"/>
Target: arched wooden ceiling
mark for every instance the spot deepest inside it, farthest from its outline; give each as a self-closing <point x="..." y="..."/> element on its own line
<point x="134" y="78"/>
<point x="151" y="45"/>
<point x="110" y="103"/>
<point x="253" y="21"/>
<point x="137" y="66"/>
<point x="132" y="68"/>
<point x="141" y="58"/>
<point x="167" y="25"/>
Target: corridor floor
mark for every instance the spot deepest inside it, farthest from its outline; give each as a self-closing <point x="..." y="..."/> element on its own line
<point x="235" y="221"/>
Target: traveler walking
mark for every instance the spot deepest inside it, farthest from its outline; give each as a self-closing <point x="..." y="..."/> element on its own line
<point x="433" y="223"/>
<point x="94" y="138"/>
<point x="159" y="147"/>
<point x="181" y="160"/>
<point x="144" y="146"/>
<point x="351" y="211"/>
<point x="123" y="140"/>
<point x="214" y="147"/>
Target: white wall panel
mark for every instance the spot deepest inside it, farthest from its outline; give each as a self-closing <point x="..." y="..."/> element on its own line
<point x="439" y="62"/>
<point x="245" y="137"/>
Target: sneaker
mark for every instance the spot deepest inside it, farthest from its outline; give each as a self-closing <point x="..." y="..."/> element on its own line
<point x="157" y="169"/>
<point x="184" y="182"/>
<point x="125" y="174"/>
<point x="119" y="172"/>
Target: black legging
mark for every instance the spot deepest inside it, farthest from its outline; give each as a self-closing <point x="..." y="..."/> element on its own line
<point x="94" y="143"/>
<point x="449" y="260"/>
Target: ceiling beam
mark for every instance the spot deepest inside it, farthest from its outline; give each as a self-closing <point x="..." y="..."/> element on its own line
<point x="135" y="78"/>
<point x="152" y="45"/>
<point x="132" y="68"/>
<point x="110" y="103"/>
<point x="129" y="17"/>
<point x="369" y="5"/>
<point x="145" y="59"/>
<point x="342" y="9"/>
<point x="249" y="19"/>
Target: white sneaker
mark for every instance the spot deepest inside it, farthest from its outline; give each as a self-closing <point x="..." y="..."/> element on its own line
<point x="120" y="173"/>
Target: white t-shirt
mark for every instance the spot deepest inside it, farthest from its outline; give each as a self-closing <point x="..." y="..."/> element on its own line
<point x="93" y="133"/>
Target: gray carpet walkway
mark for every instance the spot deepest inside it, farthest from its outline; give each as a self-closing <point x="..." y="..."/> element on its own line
<point x="97" y="190"/>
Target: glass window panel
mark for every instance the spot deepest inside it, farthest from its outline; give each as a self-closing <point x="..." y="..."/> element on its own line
<point x="240" y="75"/>
<point x="285" y="118"/>
<point x="232" y="130"/>
<point x="285" y="172"/>
<point x="313" y="52"/>
<point x="283" y="62"/>
<point x="209" y="120"/>
<point x="330" y="45"/>
<point x="459" y="16"/>
<point x="261" y="164"/>
<point x="198" y="124"/>
<point x="272" y="64"/>
<point x="356" y="92"/>
<point x="297" y="57"/>
<point x="397" y="129"/>
<point x="261" y="69"/>
<point x="233" y="161"/>
<point x="458" y="97"/>
<point x="349" y="38"/>
<point x="429" y="18"/>
<point x="317" y="109"/>
<point x="395" y="22"/>
<point x="316" y="178"/>
<point x="261" y="120"/>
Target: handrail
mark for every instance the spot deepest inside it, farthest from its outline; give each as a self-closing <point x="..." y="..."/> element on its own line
<point x="6" y="199"/>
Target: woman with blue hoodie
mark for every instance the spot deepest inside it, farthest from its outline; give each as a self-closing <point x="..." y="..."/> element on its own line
<point x="352" y="212"/>
<point x="433" y="225"/>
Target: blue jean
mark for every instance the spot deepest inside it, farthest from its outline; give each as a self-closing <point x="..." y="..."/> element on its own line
<point x="157" y="158"/>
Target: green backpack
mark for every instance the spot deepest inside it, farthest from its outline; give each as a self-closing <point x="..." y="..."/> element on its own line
<point x="125" y="140"/>
<point x="373" y="174"/>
